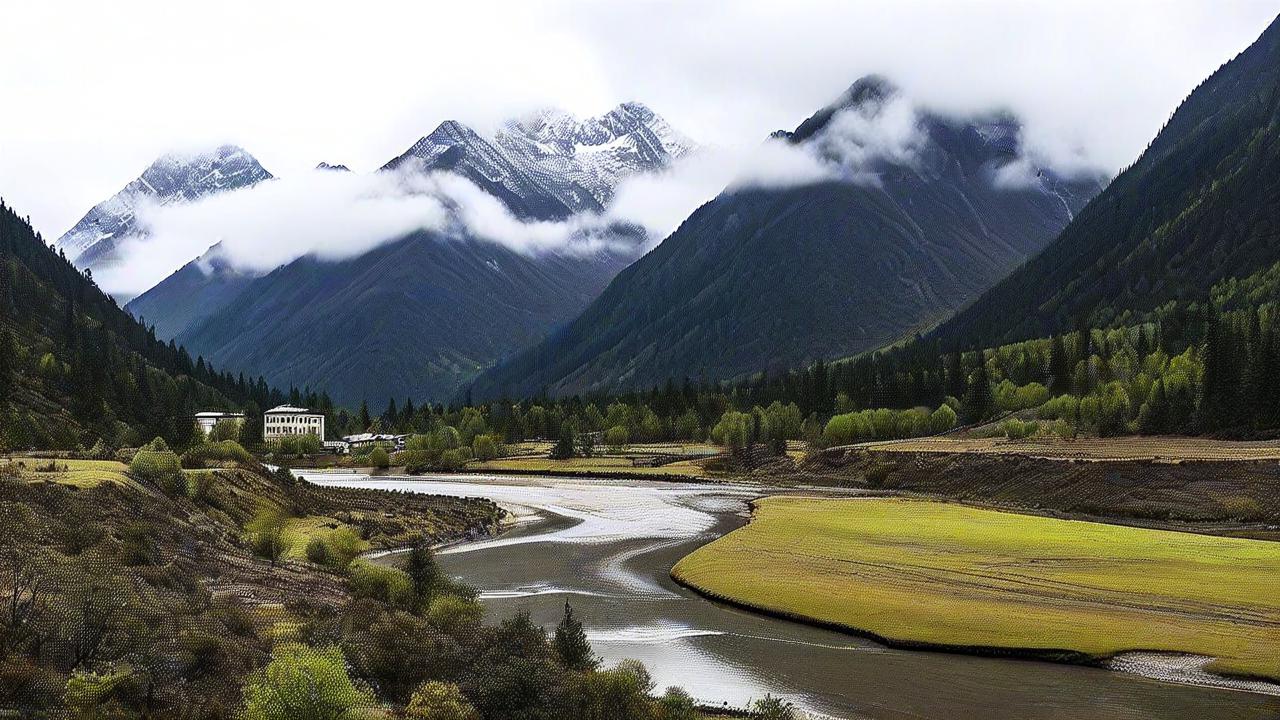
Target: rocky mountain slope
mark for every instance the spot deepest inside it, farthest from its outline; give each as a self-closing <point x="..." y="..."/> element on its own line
<point x="174" y="178"/>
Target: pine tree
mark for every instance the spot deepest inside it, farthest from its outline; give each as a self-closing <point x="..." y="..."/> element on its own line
<point x="422" y="569"/>
<point x="571" y="645"/>
<point x="8" y="360"/>
<point x="978" y="402"/>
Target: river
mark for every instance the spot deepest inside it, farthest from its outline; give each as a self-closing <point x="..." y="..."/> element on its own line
<point x="607" y="547"/>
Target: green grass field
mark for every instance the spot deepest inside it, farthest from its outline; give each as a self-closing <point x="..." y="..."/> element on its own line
<point x="942" y="574"/>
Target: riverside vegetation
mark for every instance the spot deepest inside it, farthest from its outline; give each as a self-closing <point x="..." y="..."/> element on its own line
<point x="203" y="586"/>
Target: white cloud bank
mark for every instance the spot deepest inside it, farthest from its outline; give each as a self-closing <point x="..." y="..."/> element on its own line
<point x="340" y="215"/>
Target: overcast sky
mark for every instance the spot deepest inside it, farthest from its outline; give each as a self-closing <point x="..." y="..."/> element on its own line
<point x="93" y="92"/>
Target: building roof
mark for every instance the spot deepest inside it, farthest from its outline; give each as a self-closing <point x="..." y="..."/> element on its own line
<point x="371" y="437"/>
<point x="290" y="409"/>
<point x="218" y="414"/>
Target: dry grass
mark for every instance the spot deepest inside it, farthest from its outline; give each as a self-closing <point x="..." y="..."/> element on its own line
<point x="77" y="473"/>
<point x="949" y="575"/>
<point x="299" y="531"/>
<point x="1156" y="448"/>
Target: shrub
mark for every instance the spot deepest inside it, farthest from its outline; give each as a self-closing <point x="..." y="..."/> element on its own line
<point x="485" y="447"/>
<point x="454" y="615"/>
<point x="335" y="549"/>
<point x="1015" y="429"/>
<point x="454" y="459"/>
<point x="156" y="463"/>
<point x="379" y="582"/>
<point x="225" y="430"/>
<point x="378" y="457"/>
<point x="87" y="693"/>
<point x="303" y="682"/>
<point x="266" y="534"/>
<point x="440" y="701"/>
<point x="617" y="438"/>
<point x="222" y="453"/>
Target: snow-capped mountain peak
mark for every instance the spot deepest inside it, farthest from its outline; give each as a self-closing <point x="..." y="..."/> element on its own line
<point x="172" y="178"/>
<point x="550" y="164"/>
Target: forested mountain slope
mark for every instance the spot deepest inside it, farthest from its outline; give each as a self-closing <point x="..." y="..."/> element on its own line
<point x="770" y="277"/>
<point x="1201" y="204"/>
<point x="75" y="368"/>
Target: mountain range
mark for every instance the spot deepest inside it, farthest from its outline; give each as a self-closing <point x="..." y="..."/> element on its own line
<point x="895" y="241"/>
<point x="93" y="242"/>
<point x="422" y="315"/>
<point x="1201" y="204"/>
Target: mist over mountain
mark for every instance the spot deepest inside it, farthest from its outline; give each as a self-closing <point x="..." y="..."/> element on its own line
<point x="503" y="240"/>
<point x="93" y="243"/>
<point x="919" y="212"/>
<point x="1200" y="205"/>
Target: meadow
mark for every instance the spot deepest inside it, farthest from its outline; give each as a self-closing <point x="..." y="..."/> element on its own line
<point x="948" y="576"/>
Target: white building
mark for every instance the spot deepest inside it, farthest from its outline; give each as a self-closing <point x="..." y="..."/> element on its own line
<point x="209" y="419"/>
<point x="365" y="440"/>
<point x="286" y="420"/>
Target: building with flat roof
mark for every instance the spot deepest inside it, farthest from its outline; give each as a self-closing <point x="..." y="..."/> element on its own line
<point x="207" y="420"/>
<point x="287" y="420"/>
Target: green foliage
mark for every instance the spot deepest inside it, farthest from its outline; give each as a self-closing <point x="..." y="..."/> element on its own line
<point x="565" y="447"/>
<point x="266" y="533"/>
<point x="884" y="424"/>
<point x="1015" y="429"/>
<point x="453" y="614"/>
<point x="379" y="582"/>
<point x="434" y="700"/>
<point x="294" y="445"/>
<point x="617" y="438"/>
<point x="772" y="708"/>
<point x="335" y="549"/>
<point x="378" y="457"/>
<point x="89" y="695"/>
<point x="485" y="447"/>
<point x="303" y="683"/>
<point x="156" y="463"/>
<point x="570" y="643"/>
<point x="217" y="453"/>
<point x="224" y="431"/>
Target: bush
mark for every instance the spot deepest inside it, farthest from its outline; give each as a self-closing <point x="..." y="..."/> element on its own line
<point x="335" y="549"/>
<point x="454" y="615"/>
<point x="222" y="453"/>
<point x="378" y="457"/>
<point x="379" y="582"/>
<point x="617" y="438"/>
<point x="440" y="701"/>
<point x="1015" y="429"/>
<point x="454" y="459"/>
<point x="485" y="447"/>
<point x="266" y="534"/>
<point x="303" y="682"/>
<point x="225" y="430"/>
<point x="157" y="464"/>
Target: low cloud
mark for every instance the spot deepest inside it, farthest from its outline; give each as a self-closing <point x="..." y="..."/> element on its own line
<point x="334" y="216"/>
<point x="326" y="214"/>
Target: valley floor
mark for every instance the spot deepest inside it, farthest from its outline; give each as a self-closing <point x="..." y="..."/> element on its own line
<point x="942" y="576"/>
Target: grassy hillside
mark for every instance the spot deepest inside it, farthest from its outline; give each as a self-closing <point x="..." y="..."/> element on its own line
<point x="933" y="574"/>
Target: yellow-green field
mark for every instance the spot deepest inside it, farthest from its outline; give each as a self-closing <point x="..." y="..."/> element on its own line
<point x="941" y="574"/>
<point x="80" y="473"/>
<point x="299" y="531"/>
